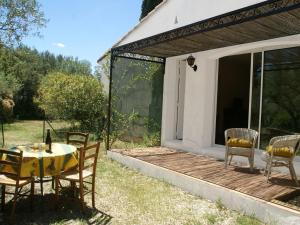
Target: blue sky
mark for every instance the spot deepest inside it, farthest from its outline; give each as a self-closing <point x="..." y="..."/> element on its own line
<point x="85" y="28"/>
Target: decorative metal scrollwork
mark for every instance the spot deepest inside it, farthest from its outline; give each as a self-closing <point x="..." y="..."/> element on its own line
<point x="140" y="57"/>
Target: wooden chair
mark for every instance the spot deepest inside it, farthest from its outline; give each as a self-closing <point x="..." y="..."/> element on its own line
<point x="13" y="159"/>
<point x="240" y="142"/>
<point x="281" y="151"/>
<point x="78" y="139"/>
<point x="87" y="168"/>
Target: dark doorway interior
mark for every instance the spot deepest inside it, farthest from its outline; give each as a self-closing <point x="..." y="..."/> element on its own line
<point x="233" y="94"/>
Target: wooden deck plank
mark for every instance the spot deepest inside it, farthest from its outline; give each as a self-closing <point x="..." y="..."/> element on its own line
<point x="211" y="170"/>
<point x="216" y="176"/>
<point x="160" y="156"/>
<point x="170" y="161"/>
<point x="175" y="163"/>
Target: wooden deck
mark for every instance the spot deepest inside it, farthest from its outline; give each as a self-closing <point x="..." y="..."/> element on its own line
<point x="238" y="178"/>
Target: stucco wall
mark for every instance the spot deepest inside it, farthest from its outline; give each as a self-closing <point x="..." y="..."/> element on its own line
<point x="186" y="12"/>
<point x="200" y="93"/>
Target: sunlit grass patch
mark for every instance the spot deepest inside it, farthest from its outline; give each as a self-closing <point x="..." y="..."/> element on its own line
<point x="247" y="220"/>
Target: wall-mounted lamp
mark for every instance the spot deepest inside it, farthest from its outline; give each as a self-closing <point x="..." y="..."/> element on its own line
<point x="191" y="60"/>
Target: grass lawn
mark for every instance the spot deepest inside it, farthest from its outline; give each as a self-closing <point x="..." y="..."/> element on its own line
<point x="29" y="131"/>
<point x="123" y="197"/>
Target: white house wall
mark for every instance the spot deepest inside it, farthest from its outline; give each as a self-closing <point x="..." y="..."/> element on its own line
<point x="186" y="11"/>
<point x="200" y="94"/>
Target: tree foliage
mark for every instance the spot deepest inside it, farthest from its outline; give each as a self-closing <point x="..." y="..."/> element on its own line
<point x="19" y="18"/>
<point x="148" y="6"/>
<point x="28" y="67"/>
<point x="8" y="86"/>
<point x="74" y="98"/>
<point x="281" y="100"/>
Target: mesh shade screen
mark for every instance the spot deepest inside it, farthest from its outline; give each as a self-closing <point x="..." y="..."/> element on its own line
<point x="136" y="101"/>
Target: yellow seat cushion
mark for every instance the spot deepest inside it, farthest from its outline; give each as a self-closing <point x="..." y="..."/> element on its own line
<point x="239" y="142"/>
<point x="283" y="151"/>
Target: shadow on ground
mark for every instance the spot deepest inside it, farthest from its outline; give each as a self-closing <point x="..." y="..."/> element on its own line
<point x="47" y="211"/>
<point x="247" y="170"/>
<point x="283" y="181"/>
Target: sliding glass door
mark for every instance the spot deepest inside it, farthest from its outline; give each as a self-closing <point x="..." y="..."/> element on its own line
<point x="274" y="94"/>
<point x="280" y="112"/>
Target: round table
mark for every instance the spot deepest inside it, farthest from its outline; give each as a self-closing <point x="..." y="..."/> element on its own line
<point x="38" y="162"/>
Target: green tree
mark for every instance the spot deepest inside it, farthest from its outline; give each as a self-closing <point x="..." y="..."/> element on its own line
<point x="70" y="65"/>
<point x="148" y="6"/>
<point x="29" y="69"/>
<point x="19" y="18"/>
<point x="29" y="66"/>
<point x="8" y="85"/>
<point x="74" y="98"/>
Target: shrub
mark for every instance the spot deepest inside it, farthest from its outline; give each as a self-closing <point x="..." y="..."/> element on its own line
<point x="120" y="124"/>
<point x="8" y="86"/>
<point x="75" y="98"/>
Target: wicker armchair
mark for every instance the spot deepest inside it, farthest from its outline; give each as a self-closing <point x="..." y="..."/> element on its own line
<point x="240" y="142"/>
<point x="281" y="152"/>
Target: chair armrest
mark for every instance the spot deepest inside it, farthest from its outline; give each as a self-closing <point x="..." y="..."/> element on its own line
<point x="275" y="139"/>
<point x="285" y="141"/>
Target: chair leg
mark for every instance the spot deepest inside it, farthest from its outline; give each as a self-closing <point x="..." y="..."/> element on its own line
<point x="31" y="194"/>
<point x="251" y="164"/>
<point x="56" y="189"/>
<point x="93" y="193"/>
<point x="81" y="194"/>
<point x="266" y="168"/>
<point x="53" y="182"/>
<point x="3" y="198"/>
<point x="269" y="169"/>
<point x="293" y="173"/>
<point x="14" y="204"/>
<point x="230" y="159"/>
<point x="226" y="158"/>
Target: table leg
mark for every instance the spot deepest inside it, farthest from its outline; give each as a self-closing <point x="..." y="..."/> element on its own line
<point x="41" y="165"/>
<point x="41" y="185"/>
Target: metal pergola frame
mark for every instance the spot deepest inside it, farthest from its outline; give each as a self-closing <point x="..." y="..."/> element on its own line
<point x="272" y="19"/>
<point x="112" y="60"/>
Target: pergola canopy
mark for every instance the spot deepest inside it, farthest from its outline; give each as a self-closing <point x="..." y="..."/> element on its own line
<point x="263" y="21"/>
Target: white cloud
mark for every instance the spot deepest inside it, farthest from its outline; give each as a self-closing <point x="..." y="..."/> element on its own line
<point x="59" y="45"/>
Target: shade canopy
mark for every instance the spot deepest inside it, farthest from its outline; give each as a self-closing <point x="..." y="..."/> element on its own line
<point x="263" y="21"/>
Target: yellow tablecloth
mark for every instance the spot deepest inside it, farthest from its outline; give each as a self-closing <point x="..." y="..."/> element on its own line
<point x="41" y="163"/>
